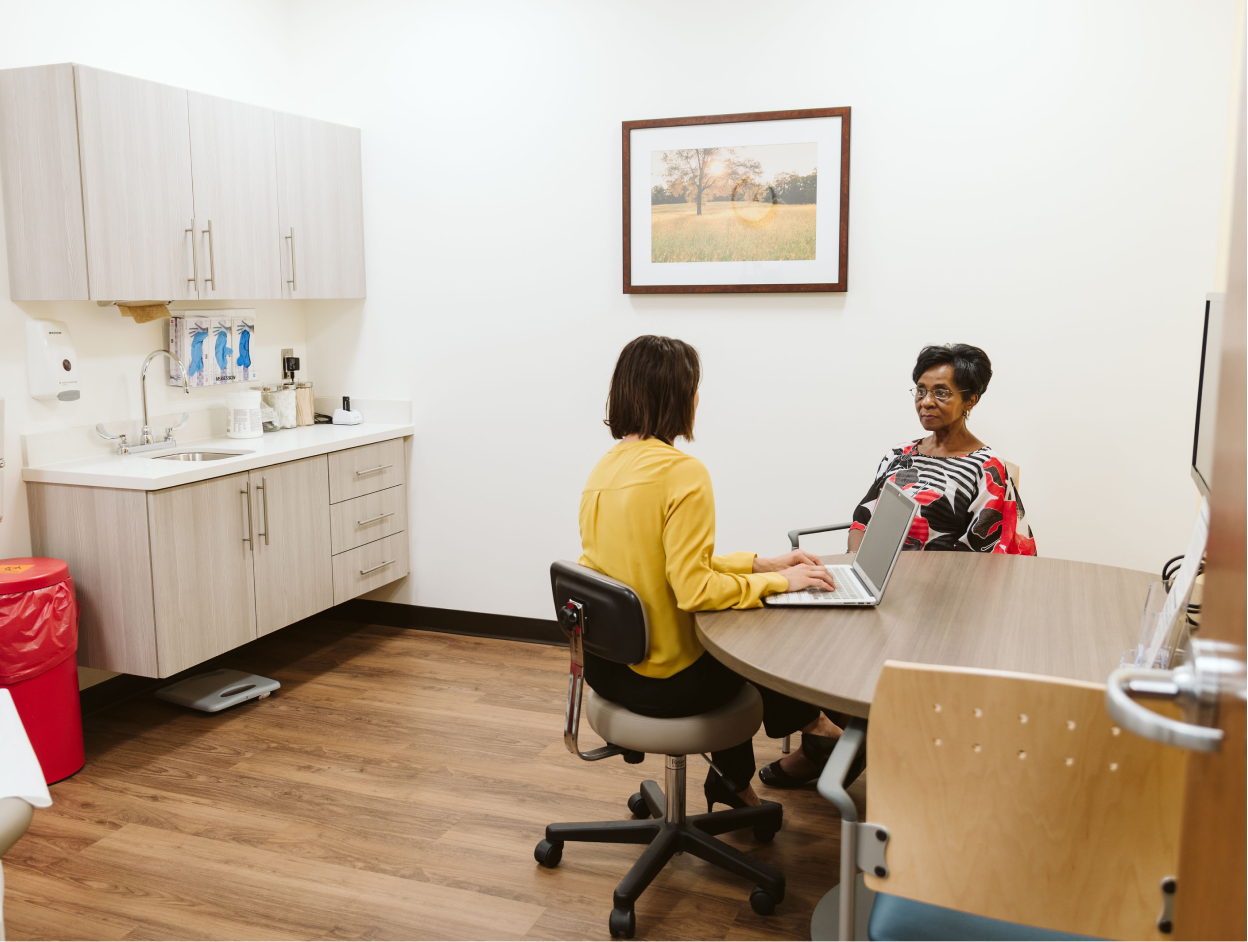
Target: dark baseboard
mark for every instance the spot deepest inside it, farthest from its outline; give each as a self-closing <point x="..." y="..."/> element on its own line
<point x="449" y="620"/>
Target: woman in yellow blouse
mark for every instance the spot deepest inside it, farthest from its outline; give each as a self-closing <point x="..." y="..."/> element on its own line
<point x="648" y="519"/>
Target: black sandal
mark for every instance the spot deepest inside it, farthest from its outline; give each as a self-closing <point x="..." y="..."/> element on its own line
<point x="817" y="749"/>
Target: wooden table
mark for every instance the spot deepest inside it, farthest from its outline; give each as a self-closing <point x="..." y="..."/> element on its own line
<point x="1017" y="613"/>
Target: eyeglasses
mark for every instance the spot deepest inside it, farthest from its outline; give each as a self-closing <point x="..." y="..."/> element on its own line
<point x="942" y="395"/>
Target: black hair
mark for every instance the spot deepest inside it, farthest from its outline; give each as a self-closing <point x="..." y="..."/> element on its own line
<point x="971" y="367"/>
<point x="653" y="389"/>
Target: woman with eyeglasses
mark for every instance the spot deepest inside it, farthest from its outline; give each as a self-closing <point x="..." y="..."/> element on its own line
<point x="966" y="499"/>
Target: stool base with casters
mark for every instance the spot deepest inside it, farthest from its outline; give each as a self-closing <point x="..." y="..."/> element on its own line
<point x="668" y="833"/>
<point x="606" y="617"/>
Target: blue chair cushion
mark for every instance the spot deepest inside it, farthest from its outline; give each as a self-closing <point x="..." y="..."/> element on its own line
<point x="896" y="918"/>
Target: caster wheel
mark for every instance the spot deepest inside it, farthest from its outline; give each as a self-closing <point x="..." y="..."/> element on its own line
<point x="623" y="923"/>
<point x="637" y="805"/>
<point x="548" y="853"/>
<point x="762" y="902"/>
<point x="764" y="835"/>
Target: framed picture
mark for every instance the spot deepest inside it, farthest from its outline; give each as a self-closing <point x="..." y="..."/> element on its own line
<point x="737" y="202"/>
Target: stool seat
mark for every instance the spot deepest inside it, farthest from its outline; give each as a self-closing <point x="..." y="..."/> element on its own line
<point x="722" y="728"/>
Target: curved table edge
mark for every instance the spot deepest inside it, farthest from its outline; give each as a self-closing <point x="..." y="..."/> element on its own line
<point x="819" y="698"/>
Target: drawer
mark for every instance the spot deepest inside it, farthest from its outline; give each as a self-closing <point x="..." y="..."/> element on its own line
<point x="366" y="567"/>
<point x="365" y="470"/>
<point x="361" y="520"/>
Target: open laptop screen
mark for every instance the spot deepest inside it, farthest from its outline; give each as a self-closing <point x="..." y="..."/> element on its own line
<point x="888" y="528"/>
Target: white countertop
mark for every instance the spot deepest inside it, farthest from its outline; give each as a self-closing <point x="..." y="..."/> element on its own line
<point x="145" y="472"/>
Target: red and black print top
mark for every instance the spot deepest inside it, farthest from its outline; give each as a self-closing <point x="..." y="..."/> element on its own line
<point x="966" y="502"/>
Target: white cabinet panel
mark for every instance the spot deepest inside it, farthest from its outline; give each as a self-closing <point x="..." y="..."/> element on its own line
<point x="234" y="167"/>
<point x="320" y="208"/>
<point x="202" y="582"/>
<point x="135" y="153"/>
<point x="290" y="505"/>
<point x="42" y="190"/>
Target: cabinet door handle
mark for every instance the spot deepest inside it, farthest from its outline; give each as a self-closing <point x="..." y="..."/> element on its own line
<point x="246" y="492"/>
<point x="263" y="487"/>
<point x="380" y="467"/>
<point x="194" y="279"/>
<point x="294" y="286"/>
<point x="360" y="523"/>
<point x="365" y="572"/>
<point x="212" y="260"/>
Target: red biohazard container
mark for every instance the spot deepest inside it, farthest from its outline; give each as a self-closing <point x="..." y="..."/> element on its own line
<point x="38" y="639"/>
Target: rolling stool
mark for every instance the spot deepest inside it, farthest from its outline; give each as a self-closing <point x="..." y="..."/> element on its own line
<point x="607" y="618"/>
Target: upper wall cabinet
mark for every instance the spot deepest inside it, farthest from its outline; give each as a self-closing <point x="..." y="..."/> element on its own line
<point x="235" y="170"/>
<point x="321" y="212"/>
<point x="137" y="200"/>
<point x="41" y="185"/>
<point x="117" y="188"/>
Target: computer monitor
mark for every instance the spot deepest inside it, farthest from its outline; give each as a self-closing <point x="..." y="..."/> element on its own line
<point x="1207" y="393"/>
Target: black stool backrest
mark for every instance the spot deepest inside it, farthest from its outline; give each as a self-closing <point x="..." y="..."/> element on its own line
<point x="614" y="618"/>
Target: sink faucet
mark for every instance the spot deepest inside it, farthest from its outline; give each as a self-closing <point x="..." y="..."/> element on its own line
<point x="145" y="436"/>
<point x="145" y="442"/>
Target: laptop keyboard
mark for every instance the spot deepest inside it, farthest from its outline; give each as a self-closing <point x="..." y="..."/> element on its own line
<point x="847" y="588"/>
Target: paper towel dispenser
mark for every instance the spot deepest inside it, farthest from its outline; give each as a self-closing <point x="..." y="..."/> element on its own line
<point x="51" y="361"/>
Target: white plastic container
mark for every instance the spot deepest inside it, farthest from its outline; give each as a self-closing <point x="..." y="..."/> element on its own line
<point x="242" y="418"/>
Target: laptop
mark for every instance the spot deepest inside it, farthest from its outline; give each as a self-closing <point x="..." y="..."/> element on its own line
<point x="864" y="582"/>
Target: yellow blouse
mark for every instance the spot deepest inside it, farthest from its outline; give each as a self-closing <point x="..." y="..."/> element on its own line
<point x="648" y="519"/>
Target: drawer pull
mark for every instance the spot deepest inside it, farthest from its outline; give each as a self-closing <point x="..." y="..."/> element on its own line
<point x="365" y="572"/>
<point x="380" y="467"/>
<point x="360" y="523"/>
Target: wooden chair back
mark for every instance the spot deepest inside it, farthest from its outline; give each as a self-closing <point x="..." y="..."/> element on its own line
<point x="1014" y="796"/>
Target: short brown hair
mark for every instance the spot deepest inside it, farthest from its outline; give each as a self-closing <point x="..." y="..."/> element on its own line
<point x="652" y="389"/>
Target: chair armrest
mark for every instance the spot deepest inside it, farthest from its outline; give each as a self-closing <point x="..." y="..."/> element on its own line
<point x="15" y="818"/>
<point x="796" y="535"/>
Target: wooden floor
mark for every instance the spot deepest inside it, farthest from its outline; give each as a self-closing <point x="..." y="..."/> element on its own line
<point x="393" y="788"/>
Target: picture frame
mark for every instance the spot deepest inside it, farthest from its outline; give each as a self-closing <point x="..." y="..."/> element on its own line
<point x="734" y="203"/>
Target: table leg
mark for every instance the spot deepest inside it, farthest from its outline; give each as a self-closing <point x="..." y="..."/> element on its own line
<point x="832" y="787"/>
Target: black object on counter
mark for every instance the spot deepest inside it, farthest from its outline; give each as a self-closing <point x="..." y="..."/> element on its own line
<point x="346" y="403"/>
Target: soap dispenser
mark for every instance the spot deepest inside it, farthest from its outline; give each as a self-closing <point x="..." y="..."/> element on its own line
<point x="51" y="361"/>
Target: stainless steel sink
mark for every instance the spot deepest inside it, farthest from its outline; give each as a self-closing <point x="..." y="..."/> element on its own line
<point x="200" y="455"/>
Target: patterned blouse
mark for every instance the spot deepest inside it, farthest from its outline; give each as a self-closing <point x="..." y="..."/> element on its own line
<point x="966" y="502"/>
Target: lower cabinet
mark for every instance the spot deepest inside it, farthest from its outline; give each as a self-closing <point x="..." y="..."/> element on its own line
<point x="168" y="579"/>
<point x="203" y="590"/>
<point x="291" y="547"/>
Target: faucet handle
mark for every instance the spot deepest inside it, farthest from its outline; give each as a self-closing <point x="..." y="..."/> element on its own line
<point x="186" y="417"/>
<point x="103" y="433"/>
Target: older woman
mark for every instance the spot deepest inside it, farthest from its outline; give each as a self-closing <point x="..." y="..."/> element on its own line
<point x="966" y="499"/>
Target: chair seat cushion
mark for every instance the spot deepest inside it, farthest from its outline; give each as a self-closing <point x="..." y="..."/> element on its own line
<point x="729" y="725"/>
<point x="893" y="917"/>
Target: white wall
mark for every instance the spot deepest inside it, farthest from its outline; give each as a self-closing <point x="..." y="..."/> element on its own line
<point x="1039" y="179"/>
<point x="234" y="49"/>
<point x="1042" y="180"/>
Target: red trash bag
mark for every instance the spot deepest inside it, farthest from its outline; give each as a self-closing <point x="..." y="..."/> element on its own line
<point x="38" y="639"/>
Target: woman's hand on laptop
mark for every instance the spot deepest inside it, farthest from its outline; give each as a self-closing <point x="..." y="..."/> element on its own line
<point x="788" y="560"/>
<point x="805" y="576"/>
<point x="800" y="568"/>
